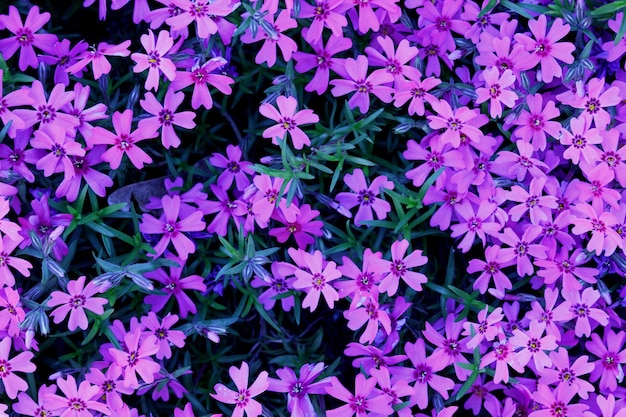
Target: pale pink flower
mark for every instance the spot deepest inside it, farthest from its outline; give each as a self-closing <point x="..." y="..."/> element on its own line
<point x="78" y="298"/>
<point x="20" y="363"/>
<point x="496" y="91"/>
<point x="243" y="398"/>
<point x="155" y="61"/>
<point x="136" y="358"/>
<point x="289" y="121"/>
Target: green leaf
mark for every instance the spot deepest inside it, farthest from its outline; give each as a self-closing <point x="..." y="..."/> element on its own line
<point x="517" y="9"/>
<point x="487" y="8"/>
<point x="620" y="32"/>
<point x="467" y="385"/>
<point x="609" y="8"/>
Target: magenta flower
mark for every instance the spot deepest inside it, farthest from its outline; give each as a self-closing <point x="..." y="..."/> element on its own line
<point x="398" y="269"/>
<point x="288" y="121"/>
<point x="491" y="269"/>
<point x="225" y="209"/>
<point x="582" y="308"/>
<point x="451" y="346"/>
<point x="20" y="363"/>
<point x="455" y="122"/>
<point x="203" y="13"/>
<point x="564" y="373"/>
<point x="603" y="238"/>
<point x="63" y="57"/>
<point x="97" y="58"/>
<point x="273" y="38"/>
<point x="325" y="13"/>
<point x="56" y="149"/>
<point x="164" y="333"/>
<point x="536" y="122"/>
<point x="14" y="98"/>
<point x="362" y="284"/>
<point x="367" y="18"/>
<point x="596" y="100"/>
<point x="77" y="400"/>
<point x="25" y="38"/>
<point x="323" y="61"/>
<point x="487" y="328"/>
<point x="521" y="248"/>
<point x="279" y="282"/>
<point x="545" y="49"/>
<point x="502" y="353"/>
<point x="362" y="85"/>
<point x="27" y="406"/>
<point x="81" y="113"/>
<point x="532" y="344"/>
<point x="123" y="141"/>
<point x="155" y="61"/>
<point x="366" y="197"/>
<point x="612" y="356"/>
<point x="47" y="110"/>
<point x="234" y="168"/>
<point x="532" y="201"/>
<point x="111" y="386"/>
<point x="7" y="246"/>
<point x="551" y="315"/>
<point x="363" y="402"/>
<point x="417" y="91"/>
<point x="370" y="313"/>
<point x="243" y="398"/>
<point x="474" y="224"/>
<point x="96" y="180"/>
<point x="557" y="401"/>
<point x="581" y="141"/>
<point x="174" y="285"/>
<point x="136" y="358"/>
<point x="200" y="77"/>
<point x="496" y="92"/>
<point x="171" y="227"/>
<point x="568" y="267"/>
<point x="78" y="298"/>
<point x="165" y="117"/>
<point x="315" y="279"/>
<point x="11" y="311"/>
<point x="298" y="223"/>
<point x="298" y="388"/>
<point x="394" y="61"/>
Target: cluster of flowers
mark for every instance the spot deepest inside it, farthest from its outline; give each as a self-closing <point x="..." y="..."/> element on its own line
<point x="518" y="157"/>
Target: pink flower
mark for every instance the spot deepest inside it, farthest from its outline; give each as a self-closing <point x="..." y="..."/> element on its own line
<point x="174" y="285"/>
<point x="234" y="168"/>
<point x="77" y="400"/>
<point x="12" y="99"/>
<point x="298" y="388"/>
<point x="315" y="279"/>
<point x="298" y="223"/>
<point x="79" y="298"/>
<point x="366" y="197"/>
<point x="200" y="77"/>
<point x="123" y="141"/>
<point x="611" y="355"/>
<point x="568" y="267"/>
<point x="111" y="386"/>
<point x="155" y="60"/>
<point x="323" y="61"/>
<point x="417" y="91"/>
<point x="324" y="15"/>
<point x="289" y="121"/>
<point x="54" y="139"/>
<point x="603" y="238"/>
<point x="7" y="246"/>
<point x="20" y="363"/>
<point x="581" y="308"/>
<point x="580" y="141"/>
<point x="536" y="122"/>
<point x="81" y="113"/>
<point x="279" y="282"/>
<point x="532" y="201"/>
<point x="503" y="355"/>
<point x="203" y="13"/>
<point x="47" y="110"/>
<point x="63" y="57"/>
<point x="26" y="406"/>
<point x="491" y="269"/>
<point x="496" y="92"/>
<point x="136" y="358"/>
<point x="394" y="61"/>
<point x="455" y="122"/>
<point x="398" y="269"/>
<point x="533" y="345"/>
<point x="551" y="315"/>
<point x="363" y="85"/>
<point x="371" y="314"/>
<point x="97" y="58"/>
<point x="273" y="37"/>
<point x="25" y="37"/>
<point x="243" y="398"/>
<point x="475" y="224"/>
<point x="545" y="49"/>
<point x="595" y="102"/>
<point x="557" y="401"/>
<point x="96" y="180"/>
<point x="362" y="402"/>
<point x="171" y="227"/>
<point x="487" y="328"/>
<point x="224" y="207"/>
<point x="164" y="333"/>
<point x="12" y="313"/>
<point x="564" y="373"/>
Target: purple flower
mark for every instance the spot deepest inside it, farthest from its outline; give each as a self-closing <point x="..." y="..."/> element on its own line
<point x="366" y="197"/>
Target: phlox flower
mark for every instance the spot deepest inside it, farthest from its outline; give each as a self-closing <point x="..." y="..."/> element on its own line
<point x="47" y="109"/>
<point x="140" y="8"/>
<point x="613" y="158"/>
<point x="611" y="353"/>
<point x="483" y="24"/>
<point x="202" y="12"/>
<point x="188" y="412"/>
<point x="63" y="57"/>
<point x="243" y="398"/>
<point x="279" y="282"/>
<point x="102" y="7"/>
<point x="370" y="357"/>
<point x="532" y="344"/>
<point x="513" y="165"/>
<point x="187" y="198"/>
<point x="84" y="115"/>
<point x="582" y="309"/>
<point x="532" y="201"/>
<point x="13" y="99"/>
<point x="367" y="18"/>
<point x="568" y="267"/>
<point x="603" y="238"/>
<point x="155" y="60"/>
<point x="299" y="387"/>
<point x="78" y="298"/>
<point x="441" y="18"/>
<point x="552" y="314"/>
<point x="455" y="122"/>
<point x="481" y="391"/>
<point x="298" y="223"/>
<point x="27" y="406"/>
<point x="536" y="122"/>
<point x="11" y="313"/>
<point x="323" y="61"/>
<point x="491" y="269"/>
<point x="556" y="401"/>
<point x="273" y="37"/>
<point x="394" y="61"/>
<point x="502" y="353"/>
<point x="393" y="392"/>
<point x="77" y="400"/>
<point x="580" y="141"/>
<point x="615" y="52"/>
<point x="224" y="207"/>
<point x="451" y="345"/>
<point x="110" y="384"/>
<point x="97" y="57"/>
<point x="424" y="373"/>
<point x="200" y="77"/>
<point x="607" y="406"/>
<point x="398" y="268"/>
<point x="234" y="168"/>
<point x="521" y="248"/>
<point x="136" y="358"/>
<point x="56" y="149"/>
<point x="174" y="285"/>
<point x="123" y="141"/>
<point x="289" y="121"/>
<point x="435" y="156"/>
<point x="20" y="363"/>
<point x="96" y="180"/>
<point x="496" y="92"/>
<point x="361" y="283"/>
<point x="596" y="100"/>
<point x="7" y="246"/>
<point x="502" y="53"/>
<point x="371" y="313"/>
<point x="25" y="37"/>
<point x="416" y="90"/>
<point x="545" y="49"/>
<point x="315" y="279"/>
<point x="325" y="13"/>
<point x="366" y="197"/>
<point x="564" y="373"/>
<point x="362" y="402"/>
<point x="599" y="190"/>
<point x="363" y="85"/>
<point x="165" y="335"/>
<point x="472" y="224"/>
<point x="487" y="328"/>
